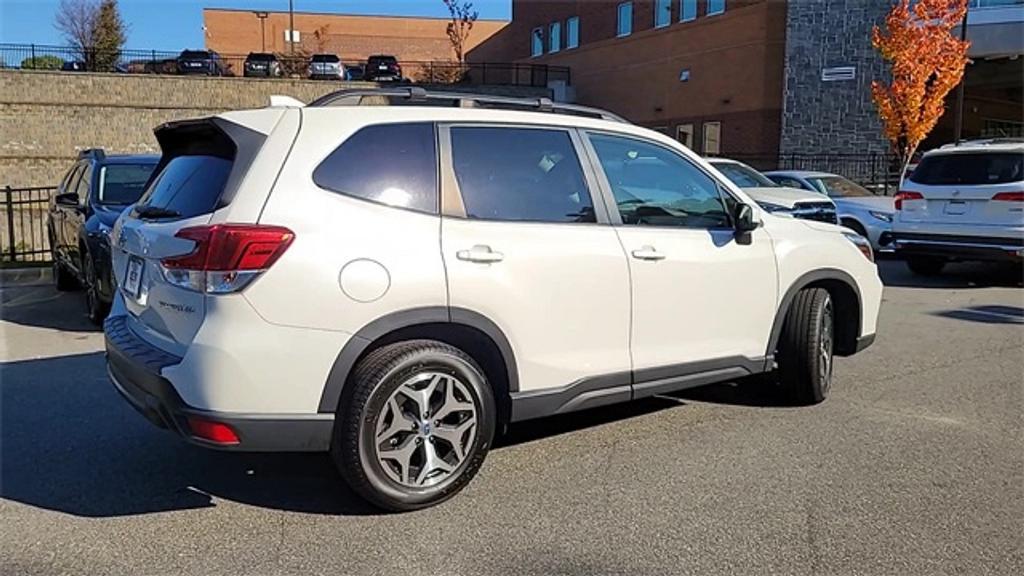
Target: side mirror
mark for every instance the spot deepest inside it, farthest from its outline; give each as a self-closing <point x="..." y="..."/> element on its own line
<point x="67" y="199"/>
<point x="745" y="219"/>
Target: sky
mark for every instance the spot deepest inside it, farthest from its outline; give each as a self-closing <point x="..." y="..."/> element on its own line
<point x="177" y="24"/>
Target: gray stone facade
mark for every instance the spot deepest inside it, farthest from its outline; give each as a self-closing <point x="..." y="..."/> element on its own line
<point x="837" y="116"/>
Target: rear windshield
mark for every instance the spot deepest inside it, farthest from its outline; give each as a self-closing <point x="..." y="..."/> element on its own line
<point x="123" y="183"/>
<point x="195" y="54"/>
<point x="188" y="185"/>
<point x="382" y="60"/>
<point x="326" y="58"/>
<point x="261" y="57"/>
<point x="970" y="169"/>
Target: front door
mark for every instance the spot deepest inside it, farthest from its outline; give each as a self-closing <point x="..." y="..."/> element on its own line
<point x="526" y="245"/>
<point x="703" y="300"/>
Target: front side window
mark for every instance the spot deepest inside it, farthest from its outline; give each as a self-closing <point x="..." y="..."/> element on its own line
<point x="555" y="37"/>
<point x="572" y="33"/>
<point x="625" y="22"/>
<point x="662" y="13"/>
<point x="82" y="190"/>
<point x="393" y="164"/>
<point x="123" y="184"/>
<point x="537" y="42"/>
<point x="687" y="10"/>
<point x="520" y="174"/>
<point x="655" y="186"/>
<point x="716" y="7"/>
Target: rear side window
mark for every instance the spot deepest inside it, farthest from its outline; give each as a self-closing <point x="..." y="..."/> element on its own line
<point x="393" y="164"/>
<point x="123" y="183"/>
<point x="189" y="185"/>
<point x="520" y="174"/>
<point x="970" y="169"/>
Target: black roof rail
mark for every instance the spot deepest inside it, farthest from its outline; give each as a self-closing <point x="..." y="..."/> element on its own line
<point x="96" y="153"/>
<point x="354" y="97"/>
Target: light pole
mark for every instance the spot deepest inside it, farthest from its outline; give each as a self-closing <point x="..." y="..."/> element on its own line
<point x="959" y="128"/>
<point x="263" y="29"/>
<point x="291" y="27"/>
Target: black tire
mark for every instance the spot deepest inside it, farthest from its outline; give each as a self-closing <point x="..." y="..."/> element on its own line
<point x="62" y="277"/>
<point x="925" y="266"/>
<point x="95" y="308"/>
<point x="806" y="348"/>
<point x="375" y="379"/>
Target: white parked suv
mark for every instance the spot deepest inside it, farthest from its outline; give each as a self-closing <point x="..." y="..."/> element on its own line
<point x="394" y="284"/>
<point x="963" y="202"/>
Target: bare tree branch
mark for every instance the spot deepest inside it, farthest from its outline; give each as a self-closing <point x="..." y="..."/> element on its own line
<point x="76" y="21"/>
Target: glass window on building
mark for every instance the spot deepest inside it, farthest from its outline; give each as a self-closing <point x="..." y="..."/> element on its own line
<point x="662" y="13"/>
<point x="625" y="25"/>
<point x="555" y="37"/>
<point x="572" y="32"/>
<point x="687" y="10"/>
<point x="712" y="137"/>
<point x="716" y="7"/>
<point x="684" y="134"/>
<point x="537" y="42"/>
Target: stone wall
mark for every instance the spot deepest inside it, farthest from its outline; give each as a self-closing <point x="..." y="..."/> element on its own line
<point x="47" y="117"/>
<point x="831" y="117"/>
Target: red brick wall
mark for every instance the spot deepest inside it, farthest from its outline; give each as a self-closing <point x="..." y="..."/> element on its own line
<point x="735" y="61"/>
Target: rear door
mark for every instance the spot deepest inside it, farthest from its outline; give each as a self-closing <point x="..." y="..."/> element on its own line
<point x="967" y="188"/>
<point x="74" y="216"/>
<point x="59" y="210"/>
<point x="527" y="245"/>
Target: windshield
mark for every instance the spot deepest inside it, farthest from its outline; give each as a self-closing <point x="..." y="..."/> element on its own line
<point x="123" y="183"/>
<point x="839" y="187"/>
<point x="744" y="176"/>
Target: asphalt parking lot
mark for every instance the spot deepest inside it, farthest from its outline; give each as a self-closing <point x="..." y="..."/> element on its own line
<point x="915" y="465"/>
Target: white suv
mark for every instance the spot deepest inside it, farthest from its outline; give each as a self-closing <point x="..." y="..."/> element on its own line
<point x="963" y="202"/>
<point x="394" y="283"/>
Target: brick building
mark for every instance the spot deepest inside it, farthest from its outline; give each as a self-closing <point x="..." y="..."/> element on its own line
<point x="755" y="77"/>
<point x="353" y="38"/>
<point x="706" y="71"/>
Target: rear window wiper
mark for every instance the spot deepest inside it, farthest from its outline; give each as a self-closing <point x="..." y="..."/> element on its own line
<point x="155" y="212"/>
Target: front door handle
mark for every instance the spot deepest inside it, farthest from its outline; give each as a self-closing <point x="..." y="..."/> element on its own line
<point x="480" y="254"/>
<point x="648" y="253"/>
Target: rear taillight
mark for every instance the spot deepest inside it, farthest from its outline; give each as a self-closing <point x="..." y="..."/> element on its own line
<point x="904" y="195"/>
<point x="226" y="257"/>
<point x="1009" y="197"/>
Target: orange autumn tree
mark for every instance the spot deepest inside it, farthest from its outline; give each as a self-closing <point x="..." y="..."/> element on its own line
<point x="927" y="61"/>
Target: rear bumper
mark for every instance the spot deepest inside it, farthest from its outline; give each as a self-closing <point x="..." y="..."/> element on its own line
<point x="994" y="249"/>
<point x="135" y="371"/>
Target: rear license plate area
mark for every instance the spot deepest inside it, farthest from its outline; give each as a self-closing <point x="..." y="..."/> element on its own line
<point x="955" y="207"/>
<point x="133" y="277"/>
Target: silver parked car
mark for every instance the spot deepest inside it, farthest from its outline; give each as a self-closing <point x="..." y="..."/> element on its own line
<point x="326" y="67"/>
<point x="859" y="210"/>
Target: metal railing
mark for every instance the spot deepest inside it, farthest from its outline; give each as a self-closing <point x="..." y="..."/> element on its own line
<point x="71" y="59"/>
<point x="877" y="172"/>
<point x="23" y="234"/>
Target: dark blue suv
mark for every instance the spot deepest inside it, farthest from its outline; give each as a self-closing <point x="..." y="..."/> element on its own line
<point x="88" y="201"/>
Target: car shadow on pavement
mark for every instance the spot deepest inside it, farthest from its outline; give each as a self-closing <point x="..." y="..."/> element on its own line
<point x="956" y="275"/>
<point x="42" y="306"/>
<point x="988" y="314"/>
<point x="70" y="443"/>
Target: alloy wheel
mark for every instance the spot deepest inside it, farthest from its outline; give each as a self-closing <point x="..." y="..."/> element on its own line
<point x="826" y="341"/>
<point x="426" y="429"/>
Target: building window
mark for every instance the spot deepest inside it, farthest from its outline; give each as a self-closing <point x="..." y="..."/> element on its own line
<point x="712" y="137"/>
<point x="625" y="25"/>
<point x="537" y="42"/>
<point x="572" y="32"/>
<point x="716" y="7"/>
<point x="555" y="37"/>
<point x="684" y="134"/>
<point x="662" y="13"/>
<point x="687" y="10"/>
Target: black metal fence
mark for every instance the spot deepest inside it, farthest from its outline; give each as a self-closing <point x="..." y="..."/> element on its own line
<point x="877" y="172"/>
<point x="71" y="59"/>
<point x="23" y="234"/>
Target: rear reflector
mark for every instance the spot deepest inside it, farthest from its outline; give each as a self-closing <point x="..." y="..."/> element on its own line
<point x="904" y="195"/>
<point x="211" y="431"/>
<point x="1009" y="197"/>
<point x="226" y="257"/>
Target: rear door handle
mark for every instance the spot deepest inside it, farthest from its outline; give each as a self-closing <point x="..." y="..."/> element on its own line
<point x="480" y="254"/>
<point x="648" y="253"/>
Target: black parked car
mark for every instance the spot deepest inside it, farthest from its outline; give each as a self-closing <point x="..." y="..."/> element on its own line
<point x="382" y="68"/>
<point x="205" y="62"/>
<point x="89" y="199"/>
<point x="261" y="64"/>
